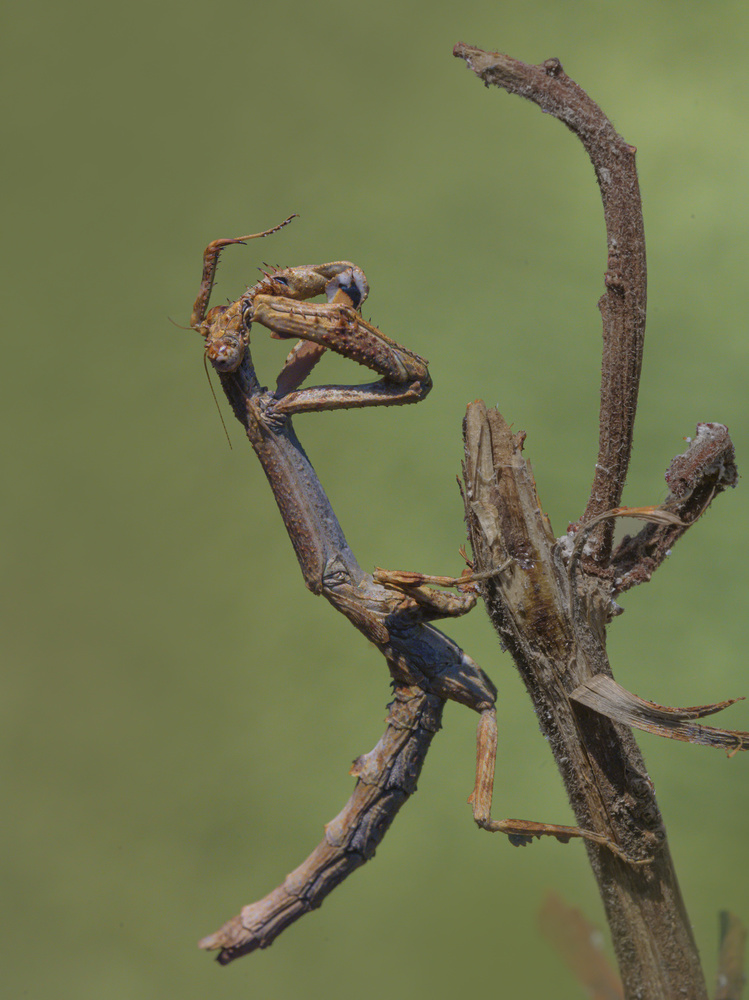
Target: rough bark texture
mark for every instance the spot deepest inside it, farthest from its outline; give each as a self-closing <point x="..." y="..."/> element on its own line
<point x="555" y="629"/>
<point x="624" y="302"/>
<point x="552" y="607"/>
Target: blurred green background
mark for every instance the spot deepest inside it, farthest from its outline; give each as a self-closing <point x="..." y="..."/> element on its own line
<point x="179" y="714"/>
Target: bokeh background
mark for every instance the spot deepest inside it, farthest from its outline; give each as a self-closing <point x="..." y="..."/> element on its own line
<point x="178" y="713"/>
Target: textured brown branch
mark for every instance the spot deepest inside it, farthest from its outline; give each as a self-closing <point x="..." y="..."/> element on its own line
<point x="555" y="630"/>
<point x="704" y="471"/>
<point x="624" y="301"/>
<point x="552" y="608"/>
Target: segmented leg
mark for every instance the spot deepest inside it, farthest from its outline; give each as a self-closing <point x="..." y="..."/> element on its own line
<point x="436" y="603"/>
<point x="452" y="684"/>
<point x="211" y="255"/>
<point x="348" y="288"/>
<point x="519" y="831"/>
<point x="340" y="328"/>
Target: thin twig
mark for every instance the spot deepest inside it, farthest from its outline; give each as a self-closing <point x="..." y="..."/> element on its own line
<point x="703" y="472"/>
<point x="623" y="303"/>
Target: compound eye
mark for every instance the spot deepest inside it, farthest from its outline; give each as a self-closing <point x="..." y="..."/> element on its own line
<point x="354" y="293"/>
<point x="352" y="282"/>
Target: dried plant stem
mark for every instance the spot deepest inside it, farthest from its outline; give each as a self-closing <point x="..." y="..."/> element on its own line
<point x="552" y="608"/>
<point x="624" y="302"/>
<point x="555" y="630"/>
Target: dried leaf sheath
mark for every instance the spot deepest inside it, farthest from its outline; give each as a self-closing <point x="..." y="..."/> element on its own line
<point x="606" y="697"/>
<point x="387" y="776"/>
